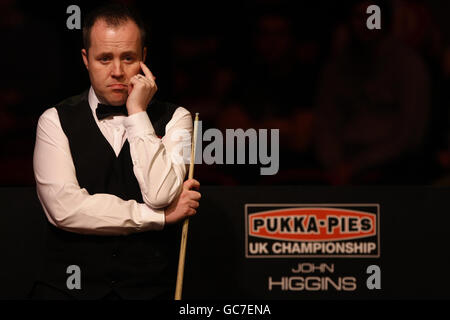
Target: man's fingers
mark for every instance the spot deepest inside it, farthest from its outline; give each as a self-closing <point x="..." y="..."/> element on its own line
<point x="194" y="195"/>
<point x="193" y="204"/>
<point x="147" y="72"/>
<point x="138" y="80"/>
<point x="134" y="80"/>
<point x="191" y="184"/>
<point x="191" y="197"/>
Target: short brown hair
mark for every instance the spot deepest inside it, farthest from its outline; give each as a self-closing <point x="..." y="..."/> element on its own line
<point x="114" y="15"/>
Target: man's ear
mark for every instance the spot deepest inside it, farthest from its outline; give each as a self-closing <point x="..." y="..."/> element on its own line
<point x="144" y="54"/>
<point x="84" y="54"/>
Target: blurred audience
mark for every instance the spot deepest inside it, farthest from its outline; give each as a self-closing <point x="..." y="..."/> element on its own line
<point x="276" y="91"/>
<point x="373" y="107"/>
<point x="353" y="106"/>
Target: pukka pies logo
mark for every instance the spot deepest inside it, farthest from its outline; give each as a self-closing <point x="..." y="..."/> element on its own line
<point x="344" y="230"/>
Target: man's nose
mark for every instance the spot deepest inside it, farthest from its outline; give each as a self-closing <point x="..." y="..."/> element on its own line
<point x="117" y="70"/>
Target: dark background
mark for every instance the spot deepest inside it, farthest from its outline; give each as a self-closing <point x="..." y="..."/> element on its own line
<point x="296" y="66"/>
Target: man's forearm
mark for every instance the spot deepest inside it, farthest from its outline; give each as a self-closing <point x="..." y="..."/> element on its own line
<point x="159" y="174"/>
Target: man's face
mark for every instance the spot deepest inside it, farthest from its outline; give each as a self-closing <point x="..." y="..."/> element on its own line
<point x="113" y="59"/>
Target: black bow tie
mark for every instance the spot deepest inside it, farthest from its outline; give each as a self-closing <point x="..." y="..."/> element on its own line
<point x="103" y="111"/>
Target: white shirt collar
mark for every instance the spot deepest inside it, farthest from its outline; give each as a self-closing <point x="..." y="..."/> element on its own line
<point x="93" y="100"/>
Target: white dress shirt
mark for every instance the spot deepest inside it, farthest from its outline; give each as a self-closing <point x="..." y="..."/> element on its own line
<point x="160" y="177"/>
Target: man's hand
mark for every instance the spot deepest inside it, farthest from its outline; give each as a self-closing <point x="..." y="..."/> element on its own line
<point x="185" y="204"/>
<point x="141" y="90"/>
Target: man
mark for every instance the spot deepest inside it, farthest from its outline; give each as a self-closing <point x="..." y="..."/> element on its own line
<point x="111" y="188"/>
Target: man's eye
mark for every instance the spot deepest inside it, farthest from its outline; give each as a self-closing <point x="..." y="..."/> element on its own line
<point x="129" y="58"/>
<point x="104" y="59"/>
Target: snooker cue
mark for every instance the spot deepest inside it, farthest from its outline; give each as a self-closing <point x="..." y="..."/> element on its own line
<point x="182" y="257"/>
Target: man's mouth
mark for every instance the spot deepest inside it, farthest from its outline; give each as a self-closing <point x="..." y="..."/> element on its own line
<point x="118" y="86"/>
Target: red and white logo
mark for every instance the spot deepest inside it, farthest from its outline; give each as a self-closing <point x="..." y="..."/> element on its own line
<point x="328" y="230"/>
<point x="312" y="224"/>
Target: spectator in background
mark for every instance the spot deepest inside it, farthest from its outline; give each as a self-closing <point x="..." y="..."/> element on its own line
<point x="205" y="80"/>
<point x="373" y="106"/>
<point x="276" y="90"/>
<point x="423" y="26"/>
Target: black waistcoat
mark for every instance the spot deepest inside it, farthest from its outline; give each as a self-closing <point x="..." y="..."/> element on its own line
<point x="137" y="266"/>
